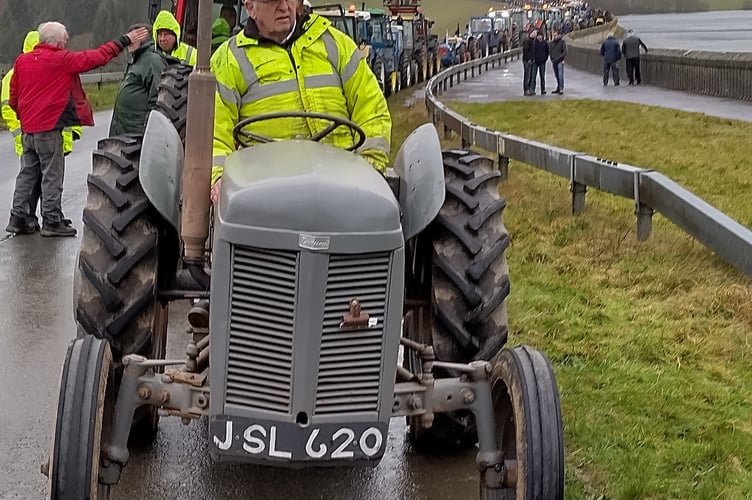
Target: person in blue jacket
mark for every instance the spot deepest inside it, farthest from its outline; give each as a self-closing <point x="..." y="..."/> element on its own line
<point x="611" y="53"/>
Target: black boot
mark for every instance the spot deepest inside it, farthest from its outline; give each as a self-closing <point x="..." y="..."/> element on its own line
<point x="18" y="225"/>
<point x="56" y="227"/>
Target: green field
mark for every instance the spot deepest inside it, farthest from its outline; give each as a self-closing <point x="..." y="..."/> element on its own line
<point x="650" y="341"/>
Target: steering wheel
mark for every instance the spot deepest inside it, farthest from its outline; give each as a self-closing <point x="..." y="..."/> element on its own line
<point x="246" y="138"/>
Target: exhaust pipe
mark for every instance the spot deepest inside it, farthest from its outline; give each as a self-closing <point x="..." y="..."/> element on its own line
<point x="198" y="147"/>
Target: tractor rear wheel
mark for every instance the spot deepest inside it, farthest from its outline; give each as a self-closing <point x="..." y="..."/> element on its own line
<point x="380" y="71"/>
<point x="469" y="284"/>
<point x="406" y="71"/>
<point x="116" y="279"/>
<point x="84" y="412"/>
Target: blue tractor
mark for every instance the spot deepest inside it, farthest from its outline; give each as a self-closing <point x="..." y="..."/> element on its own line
<point x="485" y="33"/>
<point x="386" y="48"/>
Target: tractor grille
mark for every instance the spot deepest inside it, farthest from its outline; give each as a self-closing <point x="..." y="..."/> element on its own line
<point x="350" y="363"/>
<point x="262" y="306"/>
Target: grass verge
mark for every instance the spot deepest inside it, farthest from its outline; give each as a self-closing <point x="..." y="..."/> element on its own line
<point x="650" y="341"/>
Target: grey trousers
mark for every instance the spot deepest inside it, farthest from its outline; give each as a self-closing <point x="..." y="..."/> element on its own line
<point x="527" y="67"/>
<point x="42" y="157"/>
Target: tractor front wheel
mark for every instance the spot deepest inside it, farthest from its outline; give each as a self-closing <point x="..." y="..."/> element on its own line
<point x="529" y="427"/>
<point x="84" y="412"/>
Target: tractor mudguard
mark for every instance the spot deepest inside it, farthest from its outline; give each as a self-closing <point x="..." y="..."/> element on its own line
<point x="161" y="168"/>
<point x="421" y="171"/>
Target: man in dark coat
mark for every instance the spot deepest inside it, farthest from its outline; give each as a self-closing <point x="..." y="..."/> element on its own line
<point x="611" y="53"/>
<point x="631" y="50"/>
<point x="527" y="61"/>
<point x="540" y="57"/>
<point x="558" y="52"/>
<point x="139" y="88"/>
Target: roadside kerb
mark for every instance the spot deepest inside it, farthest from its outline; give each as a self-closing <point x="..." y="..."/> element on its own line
<point x="650" y="191"/>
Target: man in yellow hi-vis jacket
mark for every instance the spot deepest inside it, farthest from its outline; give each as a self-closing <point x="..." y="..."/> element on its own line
<point x="14" y="126"/>
<point x="283" y="61"/>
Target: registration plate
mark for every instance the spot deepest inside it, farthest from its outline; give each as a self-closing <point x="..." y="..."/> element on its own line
<point x="262" y="439"/>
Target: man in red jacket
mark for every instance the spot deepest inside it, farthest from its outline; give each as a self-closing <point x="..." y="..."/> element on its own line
<point x="46" y="93"/>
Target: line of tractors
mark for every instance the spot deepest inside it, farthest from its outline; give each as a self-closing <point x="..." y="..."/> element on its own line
<point x="400" y="48"/>
<point x="397" y="40"/>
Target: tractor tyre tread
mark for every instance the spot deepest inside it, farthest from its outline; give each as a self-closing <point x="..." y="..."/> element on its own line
<point x="470" y="284"/>
<point x="172" y="99"/>
<point x="470" y="278"/>
<point x="117" y="266"/>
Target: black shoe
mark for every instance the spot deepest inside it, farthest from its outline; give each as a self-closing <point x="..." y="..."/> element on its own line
<point x="52" y="229"/>
<point x="557" y="91"/>
<point x="543" y="92"/>
<point x="631" y="83"/>
<point x="18" y="225"/>
<point x="616" y="84"/>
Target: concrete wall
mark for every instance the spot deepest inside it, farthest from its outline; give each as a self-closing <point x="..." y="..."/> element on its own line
<point x="721" y="74"/>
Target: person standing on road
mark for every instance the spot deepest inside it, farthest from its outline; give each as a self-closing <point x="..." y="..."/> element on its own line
<point x="528" y="58"/>
<point x="167" y="35"/>
<point x="14" y="127"/>
<point x="540" y="57"/>
<point x="611" y="53"/>
<point x="558" y="50"/>
<point x="46" y="93"/>
<point x="139" y="89"/>
<point x="631" y="50"/>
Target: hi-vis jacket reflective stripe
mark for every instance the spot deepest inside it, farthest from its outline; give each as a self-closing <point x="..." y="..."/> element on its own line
<point x="322" y="71"/>
<point x="166" y="21"/>
<point x="10" y="117"/>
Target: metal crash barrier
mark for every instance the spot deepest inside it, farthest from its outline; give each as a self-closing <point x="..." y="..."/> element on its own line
<point x="650" y="190"/>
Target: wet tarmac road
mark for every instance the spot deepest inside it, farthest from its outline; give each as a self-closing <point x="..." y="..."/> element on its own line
<point x="35" y="328"/>
<point x="505" y="84"/>
<point x="721" y="31"/>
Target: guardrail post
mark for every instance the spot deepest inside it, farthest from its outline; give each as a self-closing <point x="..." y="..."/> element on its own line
<point x="465" y="74"/>
<point x="451" y="80"/>
<point x="643" y="212"/>
<point x="472" y="71"/>
<point x="447" y="132"/>
<point x="578" y="197"/>
<point x="504" y="166"/>
<point x="578" y="190"/>
<point x="644" y="221"/>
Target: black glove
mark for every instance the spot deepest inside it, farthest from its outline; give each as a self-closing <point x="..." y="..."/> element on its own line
<point x="123" y="41"/>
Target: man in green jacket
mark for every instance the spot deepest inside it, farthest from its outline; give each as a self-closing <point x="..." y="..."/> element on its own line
<point x="167" y="36"/>
<point x="139" y="88"/>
